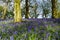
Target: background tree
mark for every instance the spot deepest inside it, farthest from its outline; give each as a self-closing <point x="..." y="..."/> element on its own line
<point x="35" y="9"/>
<point x="5" y="8"/>
<point x="58" y="8"/>
<point x="53" y="8"/>
<point x="33" y="6"/>
<point x="46" y="6"/>
<point x="27" y="9"/>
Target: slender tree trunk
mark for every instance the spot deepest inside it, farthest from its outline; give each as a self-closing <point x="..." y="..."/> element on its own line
<point x="35" y="13"/>
<point x="27" y="9"/>
<point x="17" y="11"/>
<point x="4" y="11"/>
<point x="35" y="10"/>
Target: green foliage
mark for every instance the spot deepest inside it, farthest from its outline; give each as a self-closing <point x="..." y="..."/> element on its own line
<point x="6" y="0"/>
<point x="9" y="14"/>
<point x="45" y="11"/>
<point x="1" y="9"/>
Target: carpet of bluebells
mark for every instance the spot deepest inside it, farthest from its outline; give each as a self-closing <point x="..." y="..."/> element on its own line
<point x="31" y="29"/>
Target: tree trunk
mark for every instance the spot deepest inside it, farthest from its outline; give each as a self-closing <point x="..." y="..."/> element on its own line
<point x="53" y="8"/>
<point x="4" y="11"/>
<point x="35" y="10"/>
<point x="27" y="10"/>
<point x="17" y="11"/>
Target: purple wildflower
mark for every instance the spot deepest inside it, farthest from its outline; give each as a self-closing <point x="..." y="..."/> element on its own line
<point x="15" y="32"/>
<point x="29" y="28"/>
<point x="11" y="38"/>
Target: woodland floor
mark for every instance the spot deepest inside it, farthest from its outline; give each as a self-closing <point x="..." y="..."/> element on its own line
<point x="40" y="27"/>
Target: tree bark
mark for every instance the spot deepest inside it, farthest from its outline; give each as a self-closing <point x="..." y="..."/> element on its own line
<point x="17" y="11"/>
<point x="53" y="8"/>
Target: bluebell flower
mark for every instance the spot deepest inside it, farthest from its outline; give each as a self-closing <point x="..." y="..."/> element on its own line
<point x="53" y="25"/>
<point x="3" y="30"/>
<point x="29" y="28"/>
<point x="45" y="25"/>
<point x="11" y="38"/>
<point x="15" y="32"/>
<point x="0" y="37"/>
<point x="47" y="35"/>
